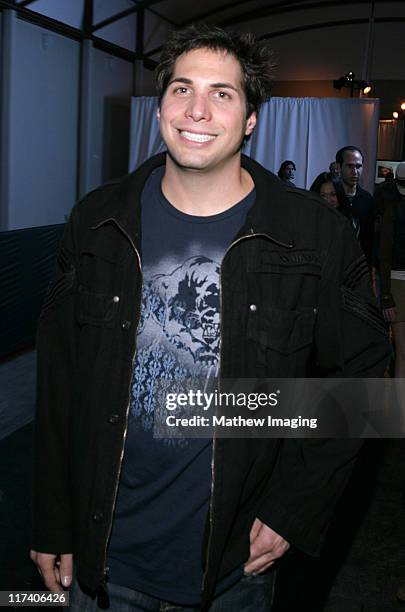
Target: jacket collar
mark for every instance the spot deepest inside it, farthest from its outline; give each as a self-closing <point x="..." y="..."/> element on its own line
<point x="271" y="213"/>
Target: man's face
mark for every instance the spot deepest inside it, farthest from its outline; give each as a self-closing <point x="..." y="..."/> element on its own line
<point x="351" y="168"/>
<point x="203" y="110"/>
<point x="289" y="172"/>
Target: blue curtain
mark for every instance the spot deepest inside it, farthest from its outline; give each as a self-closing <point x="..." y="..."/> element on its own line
<point x="307" y="131"/>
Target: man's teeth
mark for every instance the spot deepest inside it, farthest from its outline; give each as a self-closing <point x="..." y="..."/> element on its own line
<point x="197" y="137"/>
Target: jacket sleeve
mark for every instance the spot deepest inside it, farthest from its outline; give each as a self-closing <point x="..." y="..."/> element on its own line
<point x="56" y="353"/>
<point x="351" y="341"/>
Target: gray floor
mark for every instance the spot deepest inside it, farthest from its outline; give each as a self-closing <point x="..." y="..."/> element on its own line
<point x="17" y="393"/>
<point x="375" y="564"/>
<point x="364" y="558"/>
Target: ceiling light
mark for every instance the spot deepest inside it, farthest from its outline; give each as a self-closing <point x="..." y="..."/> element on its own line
<point x="395" y="114"/>
<point x="403" y="106"/>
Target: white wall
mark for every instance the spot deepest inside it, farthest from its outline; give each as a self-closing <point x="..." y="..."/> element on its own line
<point x="106" y="92"/>
<point x="42" y="125"/>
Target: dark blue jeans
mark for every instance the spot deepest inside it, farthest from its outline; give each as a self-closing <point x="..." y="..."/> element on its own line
<point x="250" y="594"/>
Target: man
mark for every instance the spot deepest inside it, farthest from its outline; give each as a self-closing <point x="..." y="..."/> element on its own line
<point x="213" y="268"/>
<point x="350" y="161"/>
<point x="286" y="172"/>
<point x="390" y="202"/>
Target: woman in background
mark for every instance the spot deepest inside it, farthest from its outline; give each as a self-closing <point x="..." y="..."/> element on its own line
<point x="331" y="190"/>
<point x="324" y="185"/>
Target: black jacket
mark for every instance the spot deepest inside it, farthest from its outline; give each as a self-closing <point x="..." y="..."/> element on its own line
<point x="391" y="237"/>
<point x="298" y="262"/>
<point x="363" y="207"/>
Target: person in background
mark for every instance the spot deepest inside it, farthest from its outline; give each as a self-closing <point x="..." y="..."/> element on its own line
<point x="331" y="190"/>
<point x="334" y="169"/>
<point x="287" y="172"/>
<point x="390" y="200"/>
<point x="351" y="163"/>
<point x="325" y="187"/>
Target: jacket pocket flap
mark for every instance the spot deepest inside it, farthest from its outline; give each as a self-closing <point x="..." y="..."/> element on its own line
<point x="284" y="331"/>
<point x="96" y="308"/>
<point x="99" y="251"/>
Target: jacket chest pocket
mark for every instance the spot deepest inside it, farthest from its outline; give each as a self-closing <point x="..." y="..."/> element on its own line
<point x="286" y="282"/>
<point x="100" y="270"/>
<point x="281" y="339"/>
<point x="97" y="309"/>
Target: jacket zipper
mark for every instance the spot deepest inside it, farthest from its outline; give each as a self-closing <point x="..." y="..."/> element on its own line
<point x="252" y="234"/>
<point x="129" y="392"/>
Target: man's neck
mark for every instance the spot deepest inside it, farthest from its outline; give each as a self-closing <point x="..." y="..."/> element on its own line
<point x="350" y="190"/>
<point x="205" y="193"/>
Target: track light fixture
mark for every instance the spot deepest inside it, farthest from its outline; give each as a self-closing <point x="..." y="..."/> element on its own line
<point x="349" y="80"/>
<point x="400" y="113"/>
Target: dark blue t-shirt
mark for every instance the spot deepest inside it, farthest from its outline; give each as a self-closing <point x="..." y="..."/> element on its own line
<point x="164" y="489"/>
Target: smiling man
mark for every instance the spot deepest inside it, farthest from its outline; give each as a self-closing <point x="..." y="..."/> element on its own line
<point x="200" y="265"/>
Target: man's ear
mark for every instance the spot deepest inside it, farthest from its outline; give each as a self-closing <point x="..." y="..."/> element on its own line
<point x="251" y="123"/>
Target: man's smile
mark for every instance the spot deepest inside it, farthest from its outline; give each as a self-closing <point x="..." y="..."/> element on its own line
<point x="196" y="136"/>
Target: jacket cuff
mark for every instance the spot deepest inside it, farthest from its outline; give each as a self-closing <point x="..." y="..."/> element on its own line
<point x="302" y="537"/>
<point x="52" y="542"/>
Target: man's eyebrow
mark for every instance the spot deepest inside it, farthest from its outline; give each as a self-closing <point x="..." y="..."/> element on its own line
<point x="181" y="80"/>
<point x="224" y="86"/>
<point x="213" y="85"/>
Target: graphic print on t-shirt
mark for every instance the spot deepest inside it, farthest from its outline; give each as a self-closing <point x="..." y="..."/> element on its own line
<point x="178" y="334"/>
<point x="165" y="484"/>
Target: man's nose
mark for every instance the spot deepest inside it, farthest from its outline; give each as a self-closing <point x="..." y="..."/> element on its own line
<point x="198" y="108"/>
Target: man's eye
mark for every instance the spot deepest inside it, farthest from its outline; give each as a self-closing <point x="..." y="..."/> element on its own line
<point x="222" y="94"/>
<point x="181" y="90"/>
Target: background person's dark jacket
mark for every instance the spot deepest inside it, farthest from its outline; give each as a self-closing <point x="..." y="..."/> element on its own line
<point x="363" y="207"/>
<point x="391" y="251"/>
<point x="297" y="261"/>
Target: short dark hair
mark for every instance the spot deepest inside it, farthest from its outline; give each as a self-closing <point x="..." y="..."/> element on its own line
<point x="283" y="166"/>
<point x="321" y="179"/>
<point x="256" y="59"/>
<point x="327" y="177"/>
<point x="342" y="151"/>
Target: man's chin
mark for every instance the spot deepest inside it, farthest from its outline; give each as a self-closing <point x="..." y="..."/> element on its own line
<point x="185" y="162"/>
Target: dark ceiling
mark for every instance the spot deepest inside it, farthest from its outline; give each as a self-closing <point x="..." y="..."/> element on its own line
<point x="266" y="18"/>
